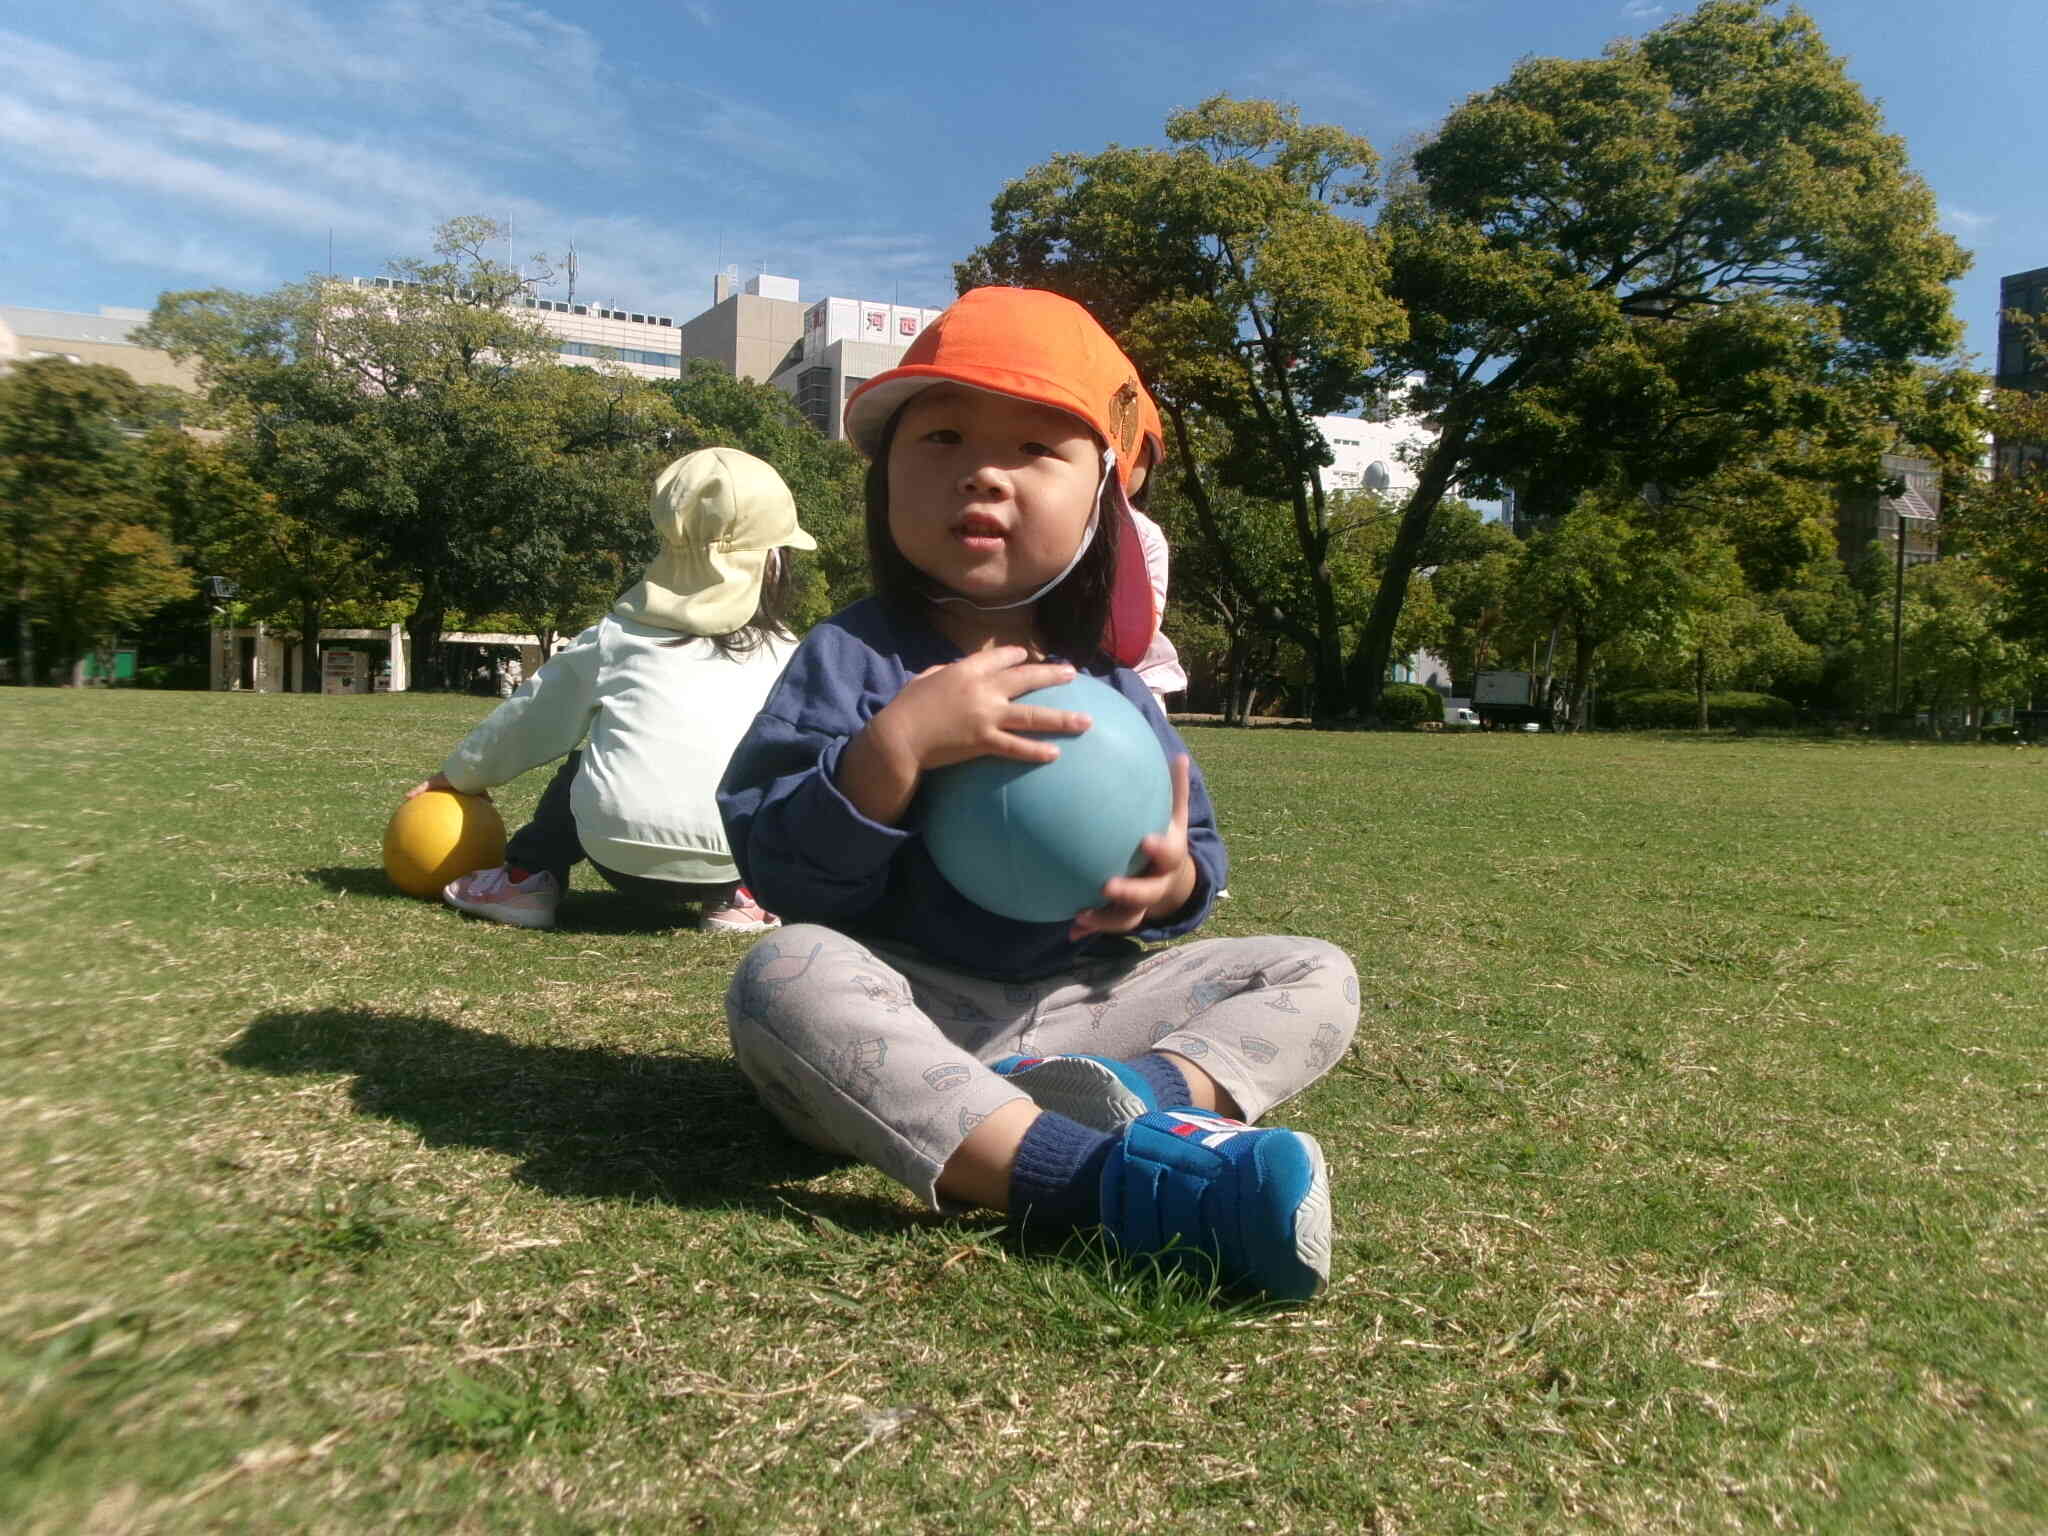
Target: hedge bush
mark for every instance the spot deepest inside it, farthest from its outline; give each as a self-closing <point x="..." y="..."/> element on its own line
<point x="176" y="674"/>
<point x="1677" y="709"/>
<point x="1410" y="703"/>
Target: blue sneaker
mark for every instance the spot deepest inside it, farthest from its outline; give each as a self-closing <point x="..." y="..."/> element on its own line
<point x="1103" y="1095"/>
<point x="1256" y="1201"/>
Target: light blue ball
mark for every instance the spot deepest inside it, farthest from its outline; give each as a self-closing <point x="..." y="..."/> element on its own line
<point x="1036" y="841"/>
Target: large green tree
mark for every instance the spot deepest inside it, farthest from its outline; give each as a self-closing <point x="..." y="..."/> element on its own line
<point x="1715" y="630"/>
<point x="1628" y="270"/>
<point x="416" y="423"/>
<point x="2005" y="519"/>
<point x="85" y="551"/>
<point x="286" y="557"/>
<point x="1233" y="270"/>
<point x="1957" y="651"/>
<point x="1597" y="576"/>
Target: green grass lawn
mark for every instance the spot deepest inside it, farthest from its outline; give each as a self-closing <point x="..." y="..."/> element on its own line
<point x="1691" y="1169"/>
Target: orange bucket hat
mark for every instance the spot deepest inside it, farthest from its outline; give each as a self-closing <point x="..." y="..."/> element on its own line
<point x="1038" y="346"/>
<point x="1023" y="342"/>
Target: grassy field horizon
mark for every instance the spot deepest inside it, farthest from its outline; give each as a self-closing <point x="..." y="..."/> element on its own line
<point x="1690" y="1168"/>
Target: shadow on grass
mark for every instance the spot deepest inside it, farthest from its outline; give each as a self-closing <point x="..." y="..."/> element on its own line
<point x="596" y="911"/>
<point x="585" y="1122"/>
<point x="370" y="881"/>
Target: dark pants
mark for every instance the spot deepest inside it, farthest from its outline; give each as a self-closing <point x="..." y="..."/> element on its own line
<point x="550" y="842"/>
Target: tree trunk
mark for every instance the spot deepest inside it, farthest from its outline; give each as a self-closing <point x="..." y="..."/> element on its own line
<point x="423" y="628"/>
<point x="1369" y="662"/>
<point x="1329" y="656"/>
<point x="309" y="646"/>
<point x="1699" y="684"/>
<point x="1582" y="668"/>
<point x="1248" y="598"/>
<point x="24" y="631"/>
<point x="1234" y="676"/>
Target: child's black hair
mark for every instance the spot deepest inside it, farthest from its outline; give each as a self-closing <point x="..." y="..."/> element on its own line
<point x="1071" y="617"/>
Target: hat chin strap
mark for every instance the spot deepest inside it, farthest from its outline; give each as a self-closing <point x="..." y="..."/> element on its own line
<point x="1087" y="538"/>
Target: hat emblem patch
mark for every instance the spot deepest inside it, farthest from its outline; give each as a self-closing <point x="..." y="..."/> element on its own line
<point x="1123" y="418"/>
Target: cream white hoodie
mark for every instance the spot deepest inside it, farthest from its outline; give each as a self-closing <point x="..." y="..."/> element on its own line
<point x="663" y="711"/>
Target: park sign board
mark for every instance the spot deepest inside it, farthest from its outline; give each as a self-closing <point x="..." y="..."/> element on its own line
<point x="341" y="672"/>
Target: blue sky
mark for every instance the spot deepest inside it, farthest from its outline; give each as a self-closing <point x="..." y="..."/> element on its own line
<point x="153" y="144"/>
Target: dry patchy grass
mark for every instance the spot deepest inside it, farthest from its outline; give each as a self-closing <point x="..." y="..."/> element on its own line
<point x="1690" y="1170"/>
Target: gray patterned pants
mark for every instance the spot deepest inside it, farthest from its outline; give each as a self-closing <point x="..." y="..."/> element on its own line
<point x="882" y="1055"/>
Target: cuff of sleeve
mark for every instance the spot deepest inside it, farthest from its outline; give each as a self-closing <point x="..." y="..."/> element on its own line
<point x="458" y="772"/>
<point x="1193" y="913"/>
<point x="836" y="822"/>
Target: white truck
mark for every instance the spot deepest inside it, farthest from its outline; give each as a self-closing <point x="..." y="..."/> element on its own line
<point x="1507" y="698"/>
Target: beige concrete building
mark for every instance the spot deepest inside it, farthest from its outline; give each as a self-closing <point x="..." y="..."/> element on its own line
<point x="817" y="353"/>
<point x="753" y="331"/>
<point x="100" y="338"/>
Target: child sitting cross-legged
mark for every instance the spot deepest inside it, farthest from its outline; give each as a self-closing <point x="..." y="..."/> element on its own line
<point x="1057" y="1071"/>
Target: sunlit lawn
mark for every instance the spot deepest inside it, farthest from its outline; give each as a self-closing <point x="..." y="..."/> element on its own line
<point x="1690" y="1169"/>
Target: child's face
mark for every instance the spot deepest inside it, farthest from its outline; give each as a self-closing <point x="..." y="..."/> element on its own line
<point x="989" y="495"/>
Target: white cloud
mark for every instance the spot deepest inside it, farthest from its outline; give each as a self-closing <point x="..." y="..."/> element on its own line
<point x="113" y="235"/>
<point x="1966" y="222"/>
<point x="66" y="143"/>
<point x="734" y="130"/>
<point x="1320" y="88"/>
<point x="1641" y="10"/>
<point x="98" y="106"/>
<point x="230" y="143"/>
<point x="538" y="83"/>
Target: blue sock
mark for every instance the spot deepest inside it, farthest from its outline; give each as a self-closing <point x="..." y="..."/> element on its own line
<point x="1056" y="1182"/>
<point x="1168" y="1083"/>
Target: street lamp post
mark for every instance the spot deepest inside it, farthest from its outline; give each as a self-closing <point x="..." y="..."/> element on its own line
<point x="220" y="592"/>
<point x="1899" y="606"/>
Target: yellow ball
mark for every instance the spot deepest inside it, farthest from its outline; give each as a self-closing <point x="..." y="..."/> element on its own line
<point x="440" y="836"/>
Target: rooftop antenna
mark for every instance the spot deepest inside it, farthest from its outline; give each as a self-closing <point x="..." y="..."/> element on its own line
<point x="570" y="264"/>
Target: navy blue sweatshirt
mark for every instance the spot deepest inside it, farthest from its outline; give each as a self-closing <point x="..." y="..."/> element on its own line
<point x="810" y="857"/>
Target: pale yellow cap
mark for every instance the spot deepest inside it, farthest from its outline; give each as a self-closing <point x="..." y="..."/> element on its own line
<point x="720" y="513"/>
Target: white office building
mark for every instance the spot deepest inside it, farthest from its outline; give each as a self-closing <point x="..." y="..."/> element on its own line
<point x="1373" y="454"/>
<point x="635" y="341"/>
<point x="845" y="343"/>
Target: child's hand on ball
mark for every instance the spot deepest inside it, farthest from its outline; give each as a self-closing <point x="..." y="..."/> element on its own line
<point x="968" y="708"/>
<point x="1132" y="900"/>
<point x="949" y="714"/>
<point x="440" y="781"/>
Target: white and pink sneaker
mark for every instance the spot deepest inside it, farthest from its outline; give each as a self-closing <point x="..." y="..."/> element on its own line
<point x="493" y="893"/>
<point x="742" y="914"/>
